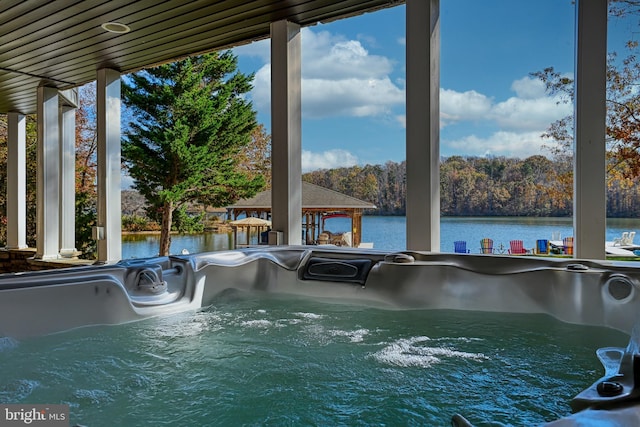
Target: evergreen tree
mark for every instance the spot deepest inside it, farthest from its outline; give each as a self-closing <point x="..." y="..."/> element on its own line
<point x="190" y="122"/>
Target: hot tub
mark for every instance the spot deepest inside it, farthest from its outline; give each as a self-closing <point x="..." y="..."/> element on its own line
<point x="580" y="292"/>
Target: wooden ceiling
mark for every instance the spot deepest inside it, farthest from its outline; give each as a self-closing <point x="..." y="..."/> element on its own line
<point x="61" y="42"/>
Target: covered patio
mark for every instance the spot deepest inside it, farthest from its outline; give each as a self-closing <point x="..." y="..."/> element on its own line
<point x="50" y="48"/>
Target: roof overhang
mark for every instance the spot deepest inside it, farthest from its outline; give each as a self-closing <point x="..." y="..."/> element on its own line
<point x="62" y="43"/>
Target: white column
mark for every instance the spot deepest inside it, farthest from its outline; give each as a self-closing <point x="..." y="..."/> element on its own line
<point x="589" y="181"/>
<point x="67" y="182"/>
<point x="109" y="229"/>
<point x="16" y="182"/>
<point x="286" y="118"/>
<point x="48" y="174"/>
<point x="423" y="124"/>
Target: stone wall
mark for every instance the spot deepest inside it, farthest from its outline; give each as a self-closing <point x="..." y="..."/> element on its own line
<point x="21" y="260"/>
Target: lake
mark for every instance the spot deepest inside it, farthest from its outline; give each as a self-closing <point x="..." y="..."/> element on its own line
<point x="388" y="233"/>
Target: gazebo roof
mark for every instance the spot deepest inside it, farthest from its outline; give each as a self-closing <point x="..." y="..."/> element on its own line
<point x="251" y="222"/>
<point x="313" y="197"/>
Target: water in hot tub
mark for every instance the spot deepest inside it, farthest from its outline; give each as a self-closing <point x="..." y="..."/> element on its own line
<point x="259" y="360"/>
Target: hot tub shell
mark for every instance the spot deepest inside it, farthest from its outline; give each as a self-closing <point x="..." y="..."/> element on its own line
<point x="577" y="291"/>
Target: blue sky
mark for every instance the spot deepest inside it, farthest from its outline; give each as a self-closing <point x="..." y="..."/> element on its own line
<point x="353" y="80"/>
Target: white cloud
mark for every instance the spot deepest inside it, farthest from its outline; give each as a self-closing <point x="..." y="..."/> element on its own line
<point x="463" y="106"/>
<point x="521" y="120"/>
<point x="354" y="97"/>
<point x="530" y="110"/>
<point x="327" y="56"/>
<point x="261" y="93"/>
<point x="502" y="143"/>
<point x="529" y="88"/>
<point x="529" y="114"/>
<point x="327" y="160"/>
<point x="339" y="78"/>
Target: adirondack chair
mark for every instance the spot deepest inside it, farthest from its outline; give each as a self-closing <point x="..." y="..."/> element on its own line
<point x="542" y="247"/>
<point x="567" y="243"/>
<point x="516" y="247"/>
<point x="630" y="238"/>
<point x="486" y="246"/>
<point x="622" y="239"/>
<point x="460" y="247"/>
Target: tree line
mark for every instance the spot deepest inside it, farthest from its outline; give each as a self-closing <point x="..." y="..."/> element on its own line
<point x="481" y="186"/>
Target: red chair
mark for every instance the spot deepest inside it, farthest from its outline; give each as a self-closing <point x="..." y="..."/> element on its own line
<point x="516" y="247"/>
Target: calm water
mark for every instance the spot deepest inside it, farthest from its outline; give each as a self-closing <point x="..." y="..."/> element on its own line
<point x="260" y="361"/>
<point x="388" y="233"/>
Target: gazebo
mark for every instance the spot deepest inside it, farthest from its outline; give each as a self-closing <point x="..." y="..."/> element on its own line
<point x="318" y="204"/>
<point x="248" y="225"/>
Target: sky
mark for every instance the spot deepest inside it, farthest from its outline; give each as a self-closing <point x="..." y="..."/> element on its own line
<point x="353" y="81"/>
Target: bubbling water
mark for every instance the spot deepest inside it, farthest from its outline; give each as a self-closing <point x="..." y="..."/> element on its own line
<point x="264" y="360"/>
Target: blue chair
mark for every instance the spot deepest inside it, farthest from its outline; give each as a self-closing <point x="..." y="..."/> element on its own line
<point x="542" y="247"/>
<point x="460" y="247"/>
